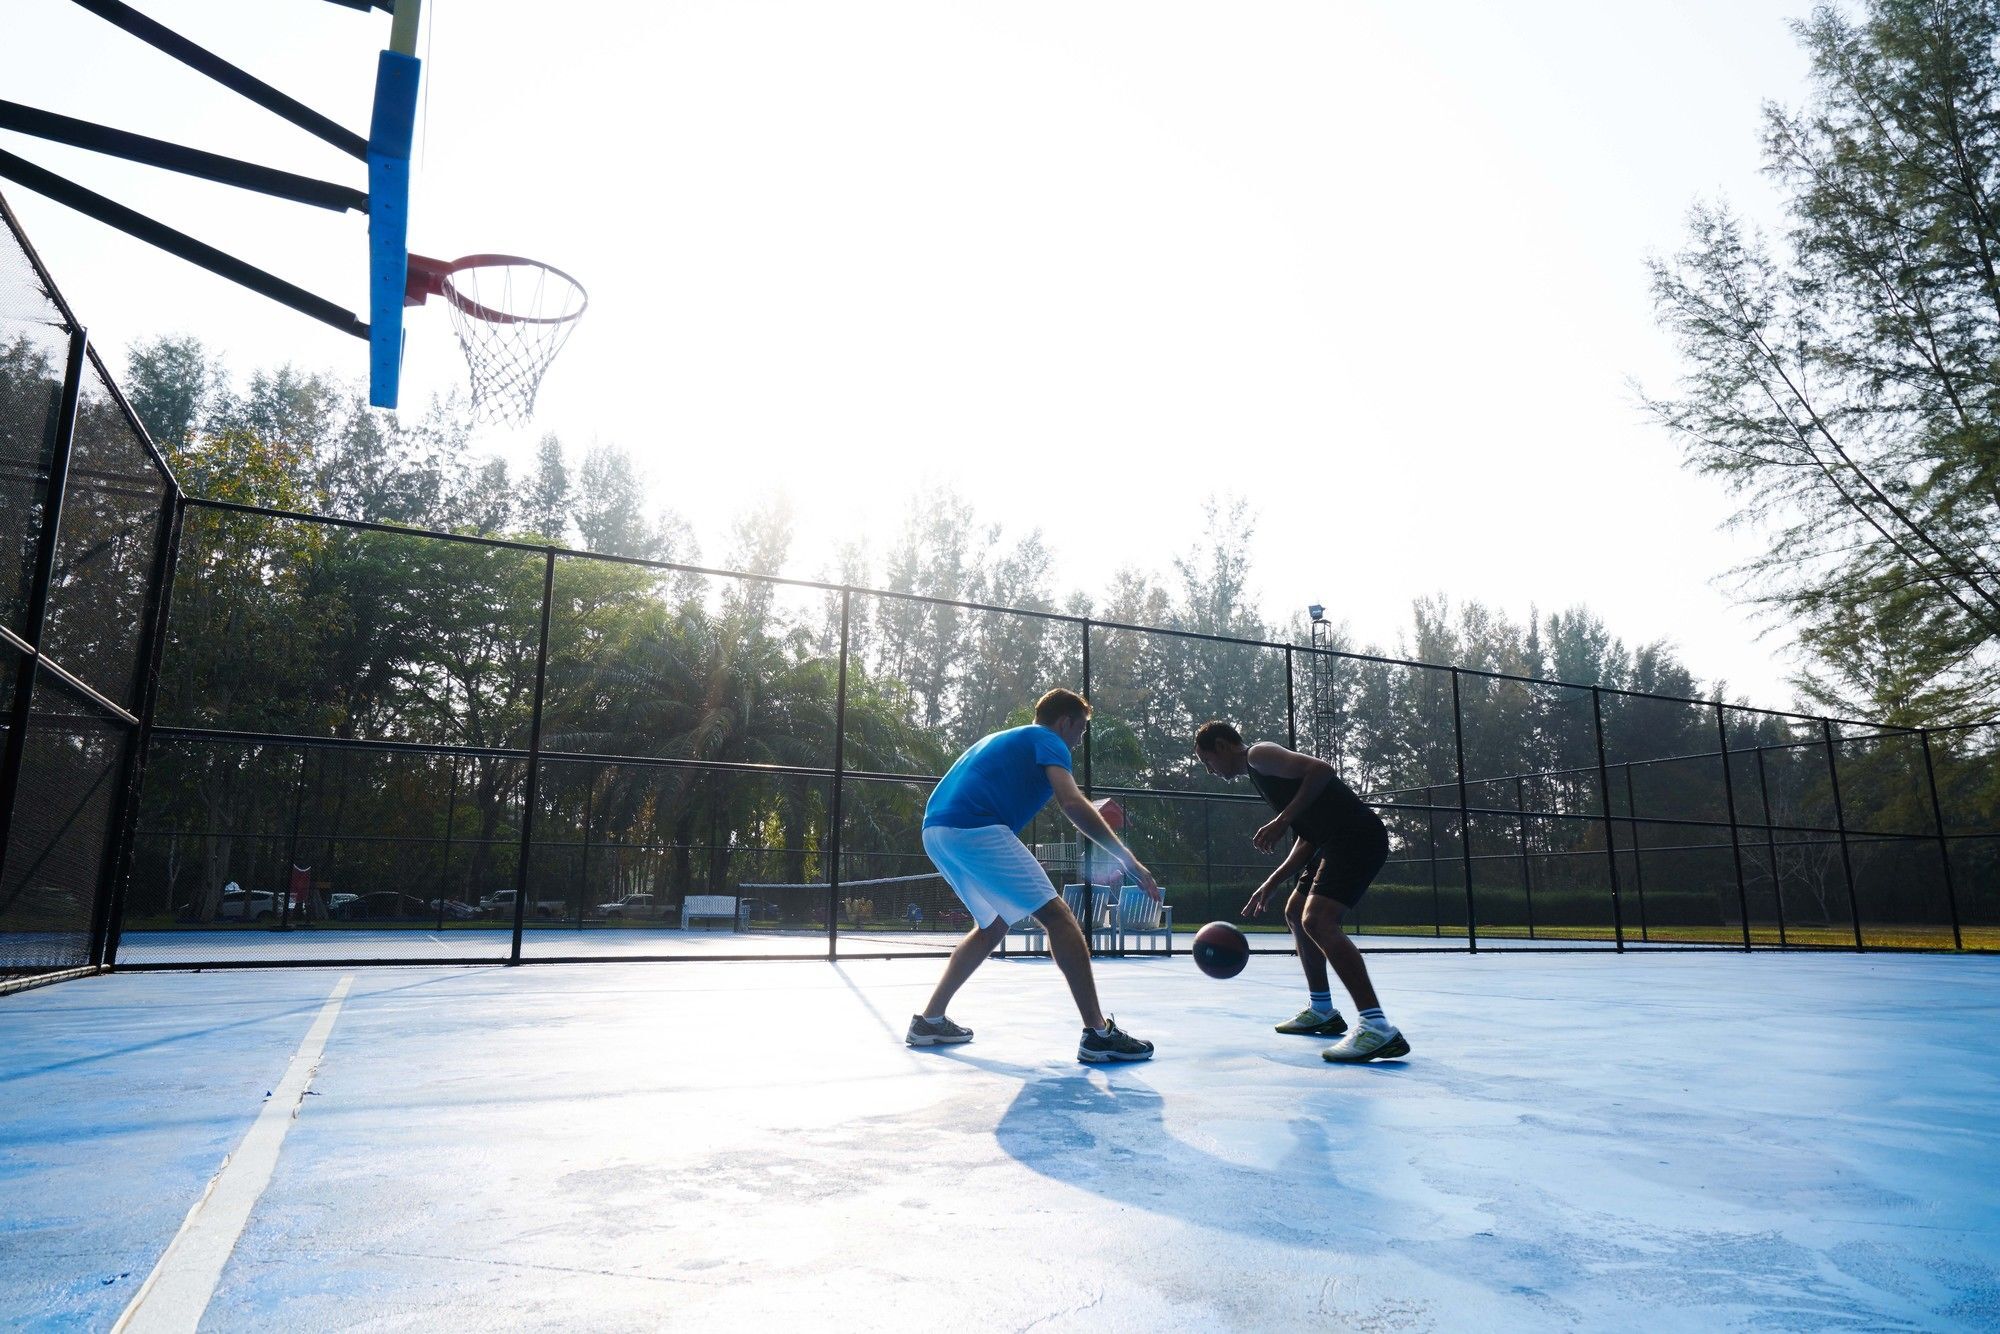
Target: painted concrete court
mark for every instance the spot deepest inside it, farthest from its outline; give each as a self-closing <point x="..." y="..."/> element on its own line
<point x="1668" y="1142"/>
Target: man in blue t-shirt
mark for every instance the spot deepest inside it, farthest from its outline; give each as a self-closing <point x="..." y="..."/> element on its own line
<point x="972" y="831"/>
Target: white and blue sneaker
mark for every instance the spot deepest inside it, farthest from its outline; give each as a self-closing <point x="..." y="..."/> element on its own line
<point x="1364" y="1043"/>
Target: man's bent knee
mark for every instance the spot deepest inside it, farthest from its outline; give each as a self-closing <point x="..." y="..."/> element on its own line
<point x="1324" y="914"/>
<point x="1054" y="913"/>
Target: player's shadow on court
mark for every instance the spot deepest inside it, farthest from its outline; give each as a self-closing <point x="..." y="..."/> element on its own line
<point x="1106" y="1133"/>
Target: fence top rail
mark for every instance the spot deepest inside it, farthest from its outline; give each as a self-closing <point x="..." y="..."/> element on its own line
<point x="1591" y="769"/>
<point x="1087" y="623"/>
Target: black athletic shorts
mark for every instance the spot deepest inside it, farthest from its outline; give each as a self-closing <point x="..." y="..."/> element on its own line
<point x="1344" y="866"/>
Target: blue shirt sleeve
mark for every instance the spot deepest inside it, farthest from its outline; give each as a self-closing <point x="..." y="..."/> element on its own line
<point x="1049" y="748"/>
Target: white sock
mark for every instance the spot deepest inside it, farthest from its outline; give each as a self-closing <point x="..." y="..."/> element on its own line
<point x="933" y="1018"/>
<point x="1322" y="1003"/>
<point x="1374" y="1020"/>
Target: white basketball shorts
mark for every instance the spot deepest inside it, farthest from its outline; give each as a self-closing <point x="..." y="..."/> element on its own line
<point x="990" y="870"/>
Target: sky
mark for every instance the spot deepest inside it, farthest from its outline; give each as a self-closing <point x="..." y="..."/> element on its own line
<point x="1377" y="268"/>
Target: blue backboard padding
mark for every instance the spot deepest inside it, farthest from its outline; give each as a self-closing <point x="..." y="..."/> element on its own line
<point x="389" y="136"/>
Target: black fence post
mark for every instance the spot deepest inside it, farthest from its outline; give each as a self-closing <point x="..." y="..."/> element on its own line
<point x="1638" y="854"/>
<point x="1604" y="801"/>
<point x="36" y="617"/>
<point x="1291" y="705"/>
<point x="532" y="789"/>
<point x="1088" y="848"/>
<point x="1735" y="846"/>
<point x="292" y="840"/>
<point x="1840" y="824"/>
<point x="1771" y="847"/>
<point x="444" y="864"/>
<point x="1208" y="849"/>
<point x="1944" y="843"/>
<point x="1464" y="819"/>
<point x="583" y="868"/>
<point x="1437" y="889"/>
<point x="834" y="817"/>
<point x="1521" y="829"/>
<point x="166" y="557"/>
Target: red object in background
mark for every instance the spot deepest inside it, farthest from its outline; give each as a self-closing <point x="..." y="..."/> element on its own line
<point x="1113" y="813"/>
<point x="300" y="887"/>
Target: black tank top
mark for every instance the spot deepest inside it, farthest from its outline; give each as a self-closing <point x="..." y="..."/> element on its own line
<point x="1336" y="813"/>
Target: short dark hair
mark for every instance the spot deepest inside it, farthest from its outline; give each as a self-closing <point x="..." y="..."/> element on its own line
<point x="1059" y="704"/>
<point x="1211" y="734"/>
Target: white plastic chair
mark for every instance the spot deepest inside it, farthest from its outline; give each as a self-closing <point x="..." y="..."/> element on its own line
<point x="1138" y="917"/>
<point x="1103" y="933"/>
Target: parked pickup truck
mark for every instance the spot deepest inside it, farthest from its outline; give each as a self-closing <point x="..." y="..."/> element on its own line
<point x="632" y="905"/>
<point x="500" y="903"/>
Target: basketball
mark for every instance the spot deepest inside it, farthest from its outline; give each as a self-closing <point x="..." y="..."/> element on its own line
<point x="1220" y="950"/>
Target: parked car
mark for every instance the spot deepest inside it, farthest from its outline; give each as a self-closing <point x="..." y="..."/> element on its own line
<point x="632" y="905"/>
<point x="455" y="910"/>
<point x="335" y="902"/>
<point x="387" y="905"/>
<point x="500" y="903"/>
<point x="247" y="905"/>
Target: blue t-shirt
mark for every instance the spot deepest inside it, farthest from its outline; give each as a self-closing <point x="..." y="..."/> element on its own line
<point x="998" y="781"/>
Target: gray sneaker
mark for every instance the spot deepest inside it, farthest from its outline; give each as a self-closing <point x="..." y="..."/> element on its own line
<point x="1314" y="1024"/>
<point x="1115" y="1045"/>
<point x="940" y="1032"/>
<point x="1367" y="1044"/>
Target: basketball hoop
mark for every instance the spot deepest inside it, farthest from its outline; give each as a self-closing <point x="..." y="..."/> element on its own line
<point x="511" y="315"/>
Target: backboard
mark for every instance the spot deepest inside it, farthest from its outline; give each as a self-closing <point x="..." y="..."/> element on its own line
<point x="385" y="203"/>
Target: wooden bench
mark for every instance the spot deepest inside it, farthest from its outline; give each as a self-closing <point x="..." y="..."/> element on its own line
<point x="695" y="907"/>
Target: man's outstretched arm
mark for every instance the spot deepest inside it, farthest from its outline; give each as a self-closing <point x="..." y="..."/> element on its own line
<point x="1070" y="798"/>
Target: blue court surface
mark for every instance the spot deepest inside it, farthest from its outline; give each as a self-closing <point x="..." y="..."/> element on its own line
<point x="1657" y="1142"/>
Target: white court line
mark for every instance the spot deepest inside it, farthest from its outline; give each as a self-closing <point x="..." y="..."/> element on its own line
<point x="177" y="1292"/>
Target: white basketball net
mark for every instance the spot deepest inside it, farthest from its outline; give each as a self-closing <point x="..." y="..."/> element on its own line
<point x="511" y="316"/>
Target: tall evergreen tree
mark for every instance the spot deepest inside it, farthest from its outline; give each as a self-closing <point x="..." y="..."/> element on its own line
<point x="172" y="383"/>
<point x="1842" y="383"/>
<point x="545" y="505"/>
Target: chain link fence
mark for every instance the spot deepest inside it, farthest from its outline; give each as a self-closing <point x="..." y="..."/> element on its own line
<point x="243" y="737"/>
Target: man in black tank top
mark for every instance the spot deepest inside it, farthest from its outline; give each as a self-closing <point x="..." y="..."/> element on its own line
<point x="1338" y="847"/>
